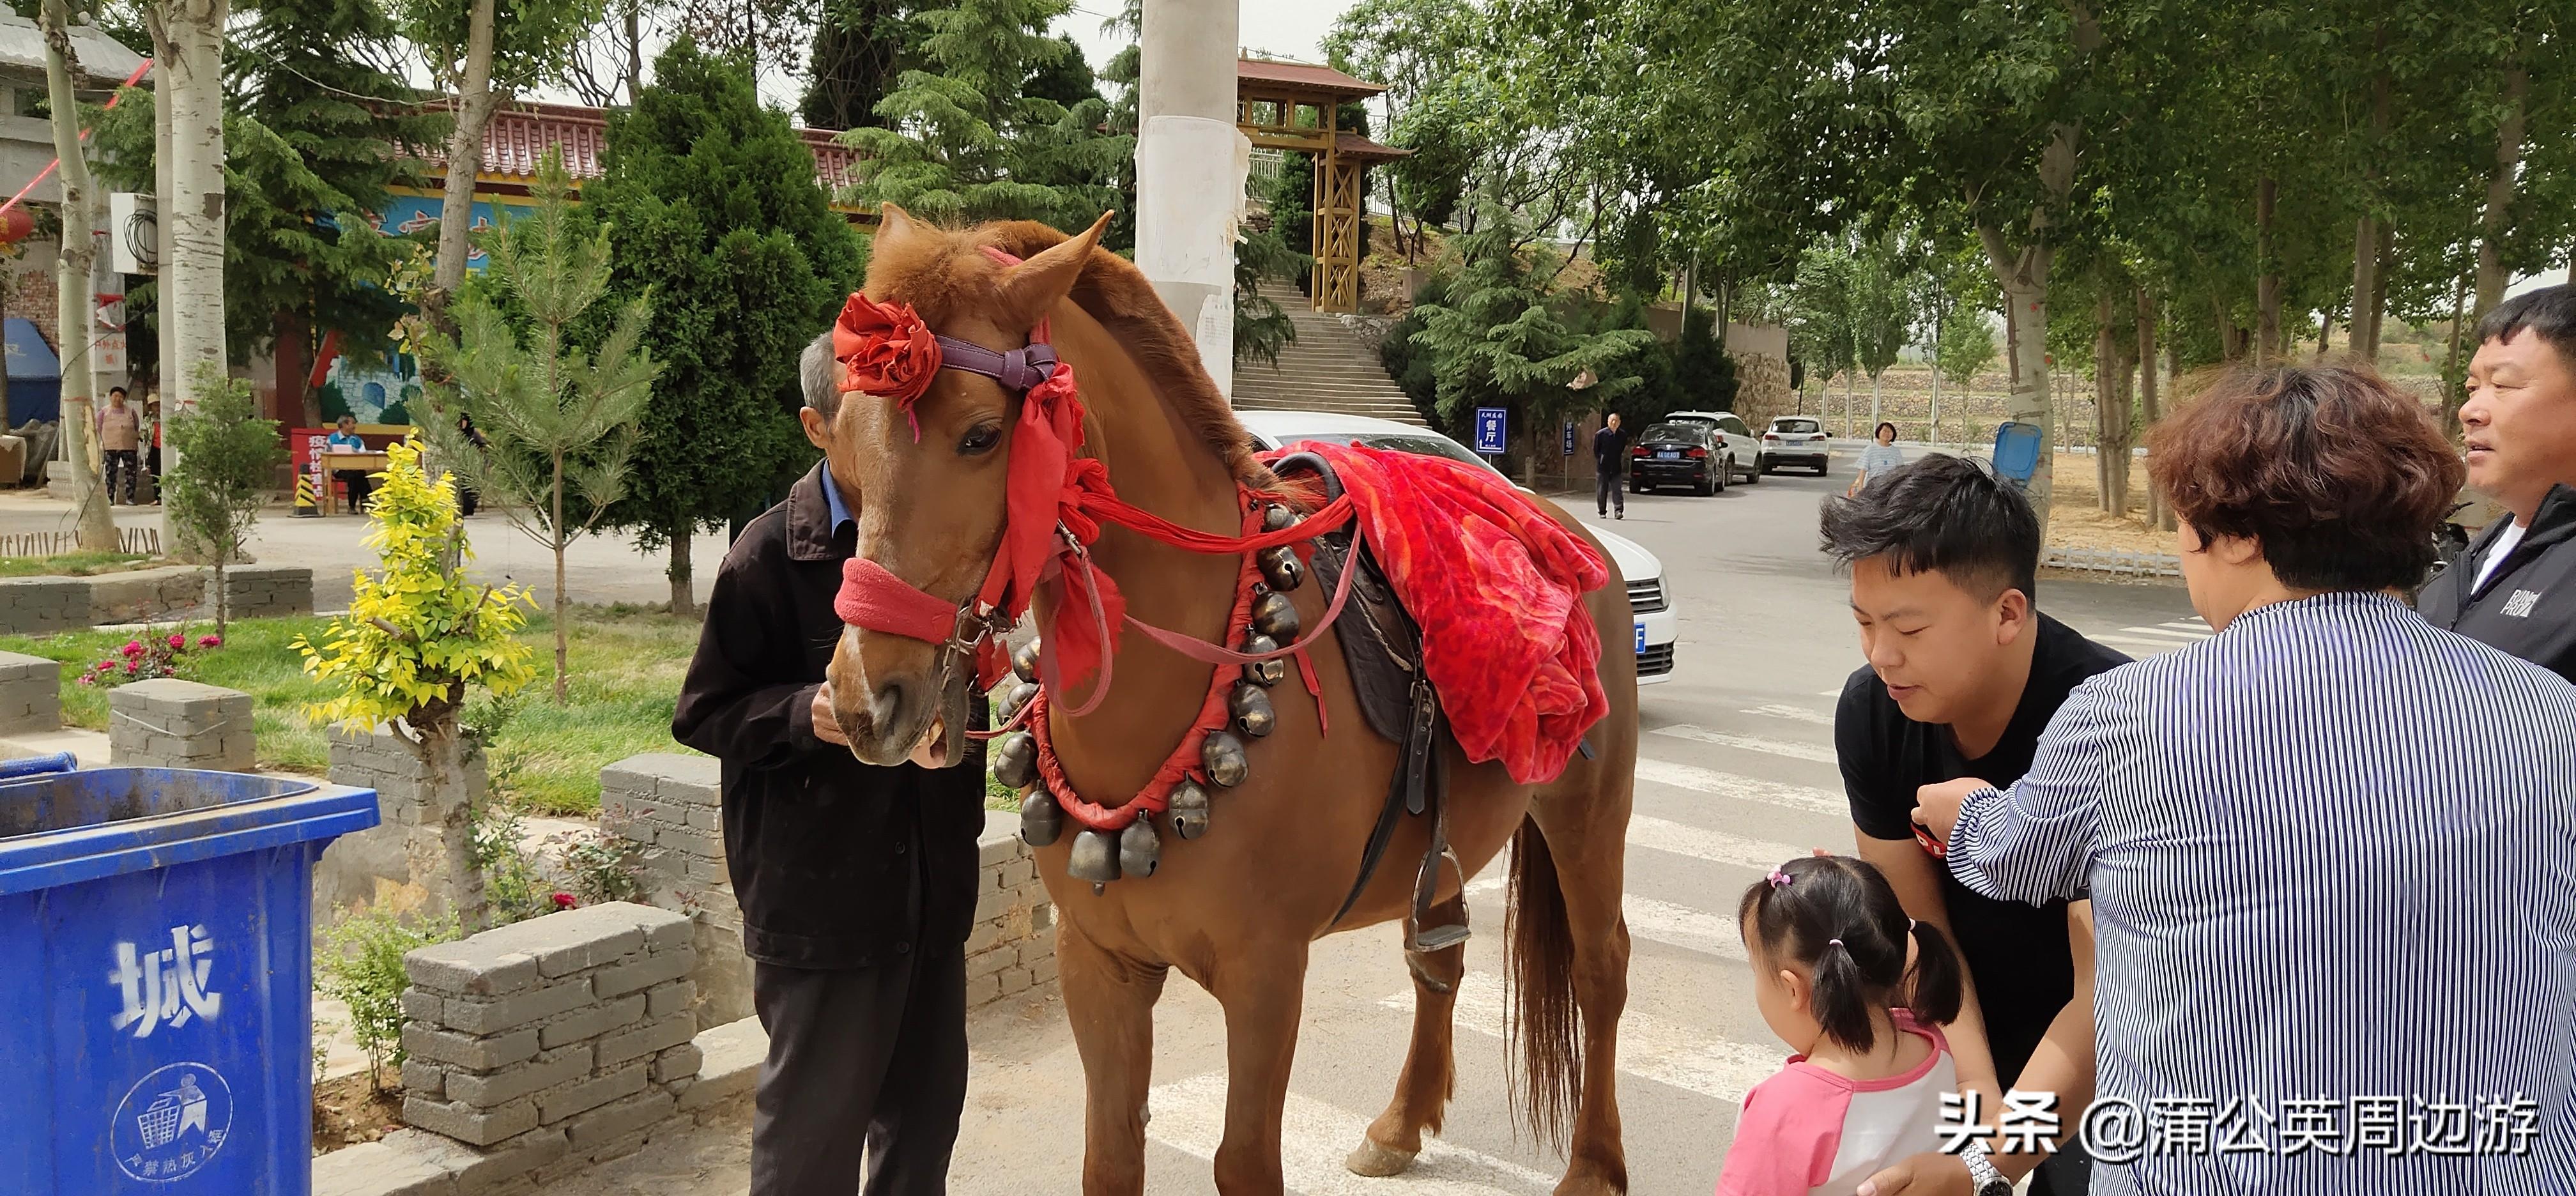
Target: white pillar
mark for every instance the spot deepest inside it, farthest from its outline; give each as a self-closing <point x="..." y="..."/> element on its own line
<point x="1190" y="167"/>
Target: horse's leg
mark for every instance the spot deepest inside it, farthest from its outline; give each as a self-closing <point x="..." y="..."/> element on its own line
<point x="1263" y="989"/>
<point x="1586" y="836"/>
<point x="1422" y="1092"/>
<point x="1110" y="1002"/>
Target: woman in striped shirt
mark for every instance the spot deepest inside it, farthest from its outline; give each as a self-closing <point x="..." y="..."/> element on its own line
<point x="2331" y="850"/>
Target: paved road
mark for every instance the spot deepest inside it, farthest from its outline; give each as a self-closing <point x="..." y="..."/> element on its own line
<point x="1735" y="774"/>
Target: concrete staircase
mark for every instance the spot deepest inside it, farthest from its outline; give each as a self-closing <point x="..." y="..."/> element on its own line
<point x="1330" y="368"/>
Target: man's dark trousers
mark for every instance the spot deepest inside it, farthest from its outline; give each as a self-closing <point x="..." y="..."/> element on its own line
<point x="890" y="1039"/>
<point x="1607" y="493"/>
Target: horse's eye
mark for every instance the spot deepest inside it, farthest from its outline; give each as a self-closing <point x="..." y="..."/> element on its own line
<point x="979" y="441"/>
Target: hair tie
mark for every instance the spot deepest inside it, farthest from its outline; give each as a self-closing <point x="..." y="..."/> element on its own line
<point x="1779" y="879"/>
<point x="1836" y="943"/>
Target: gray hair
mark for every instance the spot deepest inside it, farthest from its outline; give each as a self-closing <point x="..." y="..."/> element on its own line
<point x="821" y="373"/>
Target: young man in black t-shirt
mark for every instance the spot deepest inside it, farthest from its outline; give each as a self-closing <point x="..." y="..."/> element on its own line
<point x="1963" y="675"/>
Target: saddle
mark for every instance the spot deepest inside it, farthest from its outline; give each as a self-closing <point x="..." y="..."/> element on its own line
<point x="1382" y="645"/>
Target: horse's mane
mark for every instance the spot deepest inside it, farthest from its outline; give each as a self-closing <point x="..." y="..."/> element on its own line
<point x="949" y="271"/>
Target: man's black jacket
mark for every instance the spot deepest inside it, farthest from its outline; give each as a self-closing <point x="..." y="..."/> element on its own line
<point x="837" y="864"/>
<point x="2528" y="606"/>
<point x="1610" y="450"/>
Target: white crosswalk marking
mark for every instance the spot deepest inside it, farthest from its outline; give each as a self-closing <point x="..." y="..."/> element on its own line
<point x="1717" y="847"/>
<point x="1650" y="1048"/>
<point x="1729" y="785"/>
<point x="1750" y="743"/>
<point x="1795" y="714"/>
<point x="1663" y="922"/>
<point x="1189" y="1116"/>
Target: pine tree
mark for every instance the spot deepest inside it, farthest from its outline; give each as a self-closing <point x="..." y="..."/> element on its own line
<point x="964" y="141"/>
<point x="713" y="209"/>
<point x="861" y="48"/>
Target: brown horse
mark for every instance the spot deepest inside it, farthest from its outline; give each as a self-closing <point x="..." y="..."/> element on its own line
<point x="1236" y="910"/>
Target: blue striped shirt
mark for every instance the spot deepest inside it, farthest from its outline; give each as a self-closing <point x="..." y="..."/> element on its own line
<point x="2332" y="853"/>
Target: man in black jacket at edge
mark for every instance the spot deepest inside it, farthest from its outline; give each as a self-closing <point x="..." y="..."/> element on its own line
<point x="2515" y="588"/>
<point x="857" y="882"/>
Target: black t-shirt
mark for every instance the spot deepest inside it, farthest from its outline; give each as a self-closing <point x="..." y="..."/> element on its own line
<point x="2016" y="953"/>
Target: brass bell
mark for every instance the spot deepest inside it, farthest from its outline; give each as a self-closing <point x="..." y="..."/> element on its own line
<point x="1267" y="672"/>
<point x="1223" y="757"/>
<point x="1253" y="715"/>
<point x="1094" y="858"/>
<point x="1187" y="809"/>
<point x="1024" y="661"/>
<point x="1281" y="568"/>
<point x="1041" y="820"/>
<point x="1017" y="698"/>
<point x="1139" y="852"/>
<point x="1015" y="760"/>
<point x="1275" y="616"/>
<point x="1278" y="518"/>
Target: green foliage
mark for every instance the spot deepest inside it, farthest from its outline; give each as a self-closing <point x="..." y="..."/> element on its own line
<point x="1967" y="347"/>
<point x="226" y="467"/>
<point x="963" y="139"/>
<point x="1261" y="329"/>
<point x="532" y="40"/>
<point x="513" y="888"/>
<point x="1495" y="338"/>
<point x="361" y="966"/>
<point x="562" y="420"/>
<point x="417" y="633"/>
<point x="861" y="47"/>
<point x="713" y="213"/>
<point x="597" y="869"/>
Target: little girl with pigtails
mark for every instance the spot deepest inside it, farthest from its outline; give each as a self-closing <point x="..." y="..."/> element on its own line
<point x="1829" y="946"/>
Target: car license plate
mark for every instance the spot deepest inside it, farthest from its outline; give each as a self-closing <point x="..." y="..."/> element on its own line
<point x="1641" y="639"/>
<point x="1669" y="455"/>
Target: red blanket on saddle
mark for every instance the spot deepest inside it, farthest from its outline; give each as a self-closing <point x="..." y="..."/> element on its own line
<point x="1497" y="587"/>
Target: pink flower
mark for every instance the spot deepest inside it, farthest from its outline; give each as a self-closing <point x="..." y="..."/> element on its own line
<point x="563" y="901"/>
<point x="210" y="641"/>
<point x="132" y="648"/>
<point x="103" y="666"/>
<point x="178" y="641"/>
<point x="129" y="666"/>
<point x="89" y="678"/>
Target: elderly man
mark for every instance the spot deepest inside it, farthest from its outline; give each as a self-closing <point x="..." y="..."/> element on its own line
<point x="857" y="882"/>
<point x="2515" y="589"/>
<point x="1609" y="460"/>
<point x="2331" y="850"/>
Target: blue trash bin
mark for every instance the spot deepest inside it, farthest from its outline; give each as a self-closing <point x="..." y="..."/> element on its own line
<point x="156" y="979"/>
<point x="2017" y="452"/>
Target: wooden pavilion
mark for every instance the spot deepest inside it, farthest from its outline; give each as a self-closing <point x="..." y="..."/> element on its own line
<point x="1294" y="106"/>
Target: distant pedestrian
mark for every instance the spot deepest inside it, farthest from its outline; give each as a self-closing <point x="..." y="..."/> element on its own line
<point x="466" y="498"/>
<point x="1609" y="460"/>
<point x="345" y="439"/>
<point x="120" y="442"/>
<point x="2515" y="588"/>
<point x="2330" y="850"/>
<point x="1879" y="459"/>
<point x="1829" y="943"/>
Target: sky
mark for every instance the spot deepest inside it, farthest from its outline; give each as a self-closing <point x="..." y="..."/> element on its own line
<point x="1279" y="28"/>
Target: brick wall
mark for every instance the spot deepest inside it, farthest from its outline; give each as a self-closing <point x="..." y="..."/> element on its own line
<point x="31" y="693"/>
<point x="170" y="723"/>
<point x="1012" y="947"/>
<point x="419" y="859"/>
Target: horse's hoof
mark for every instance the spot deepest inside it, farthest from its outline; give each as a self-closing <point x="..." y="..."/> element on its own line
<point x="1378" y="1162"/>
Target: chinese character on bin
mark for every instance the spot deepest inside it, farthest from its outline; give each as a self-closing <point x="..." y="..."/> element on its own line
<point x="165" y="986"/>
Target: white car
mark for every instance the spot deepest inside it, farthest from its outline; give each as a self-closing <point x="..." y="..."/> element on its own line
<point x="1737" y="446"/>
<point x="1657" y="627"/>
<point x="1796" y="440"/>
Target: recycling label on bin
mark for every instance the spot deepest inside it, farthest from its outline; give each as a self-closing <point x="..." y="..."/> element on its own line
<point x="172" y="1122"/>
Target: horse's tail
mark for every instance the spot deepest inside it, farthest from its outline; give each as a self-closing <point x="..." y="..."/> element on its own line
<point x="1542" y="1009"/>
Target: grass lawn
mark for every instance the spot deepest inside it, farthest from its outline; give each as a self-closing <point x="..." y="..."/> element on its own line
<point x="626" y="670"/>
<point x="71" y="564"/>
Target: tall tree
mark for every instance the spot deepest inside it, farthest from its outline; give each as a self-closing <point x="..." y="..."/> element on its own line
<point x="187" y="43"/>
<point x="72" y="281"/>
<point x="561" y="419"/>
<point x="483" y="53"/>
<point x="715" y="214"/>
<point x="964" y="141"/>
<point x="861" y="49"/>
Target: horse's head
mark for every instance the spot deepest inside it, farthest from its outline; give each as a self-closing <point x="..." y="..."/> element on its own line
<point x="926" y="482"/>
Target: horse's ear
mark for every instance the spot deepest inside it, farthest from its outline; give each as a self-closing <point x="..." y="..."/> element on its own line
<point x="1032" y="288"/>
<point x="894" y="225"/>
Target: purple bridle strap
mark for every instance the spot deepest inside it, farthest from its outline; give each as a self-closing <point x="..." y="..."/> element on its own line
<point x="1017" y="370"/>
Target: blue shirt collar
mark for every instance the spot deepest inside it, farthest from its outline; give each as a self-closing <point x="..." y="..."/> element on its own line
<point x="832" y="498"/>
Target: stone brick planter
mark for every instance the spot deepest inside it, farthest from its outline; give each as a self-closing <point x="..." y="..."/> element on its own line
<point x="42" y="605"/>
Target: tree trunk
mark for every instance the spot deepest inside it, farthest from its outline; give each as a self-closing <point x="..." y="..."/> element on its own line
<point x="1876" y="382"/>
<point x="684" y="599"/>
<point x="2508" y="161"/>
<point x="634" y="52"/>
<point x="2147" y="412"/>
<point x="2118" y="432"/>
<point x="563" y="642"/>
<point x="72" y="291"/>
<point x="2452" y="393"/>
<point x="163" y="55"/>
<point x="474" y="103"/>
<point x="192" y="214"/>
<point x="1932" y="435"/>
<point x="223" y="598"/>
<point x="2023" y="275"/>
<point x="2325" y="331"/>
<point x="2362" y="334"/>
<point x="2231" y="335"/>
<point x="2267" y="277"/>
<point x="2104" y="359"/>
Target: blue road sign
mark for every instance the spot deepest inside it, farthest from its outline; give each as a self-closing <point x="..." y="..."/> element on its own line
<point x="1489" y="430"/>
<point x="1569" y="439"/>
